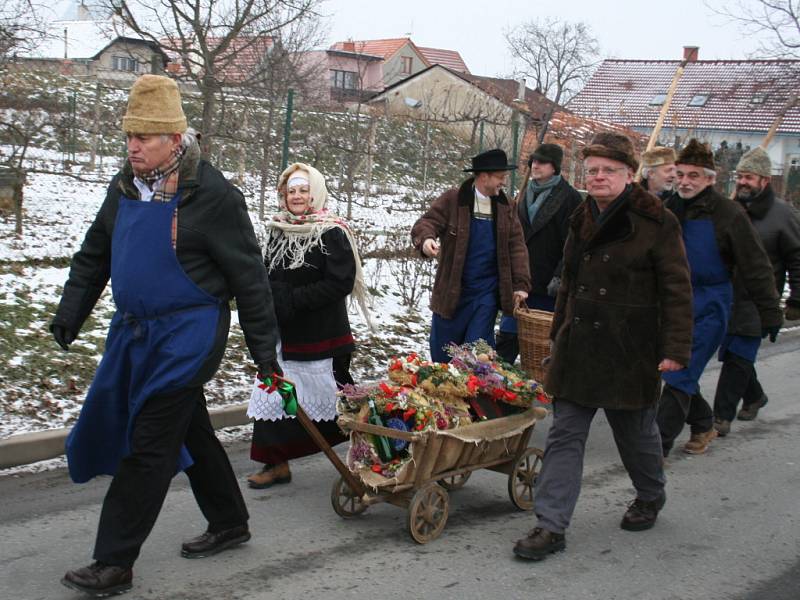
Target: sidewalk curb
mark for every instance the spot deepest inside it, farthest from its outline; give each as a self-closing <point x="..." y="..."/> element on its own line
<point x="26" y="448"/>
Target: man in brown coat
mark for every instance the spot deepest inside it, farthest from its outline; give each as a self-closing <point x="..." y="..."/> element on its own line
<point x="483" y="260"/>
<point x="623" y="314"/>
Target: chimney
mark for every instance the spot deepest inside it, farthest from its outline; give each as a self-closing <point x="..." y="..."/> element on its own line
<point x="349" y="46"/>
<point x="690" y="53"/>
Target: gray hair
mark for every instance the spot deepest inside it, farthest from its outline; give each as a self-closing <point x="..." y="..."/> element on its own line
<point x="646" y="172"/>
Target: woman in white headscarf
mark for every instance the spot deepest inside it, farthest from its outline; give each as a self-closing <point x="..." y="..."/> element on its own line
<point x="313" y="267"/>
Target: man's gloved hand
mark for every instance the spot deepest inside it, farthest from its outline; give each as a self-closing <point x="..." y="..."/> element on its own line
<point x="552" y="287"/>
<point x="772" y="332"/>
<point x="270" y="368"/>
<point x="64" y="337"/>
<point x="792" y="312"/>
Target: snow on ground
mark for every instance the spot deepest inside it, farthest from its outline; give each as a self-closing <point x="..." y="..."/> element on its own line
<point x="42" y="387"/>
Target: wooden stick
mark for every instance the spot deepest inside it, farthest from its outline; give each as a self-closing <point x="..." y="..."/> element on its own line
<point x="778" y="120"/>
<point x="662" y="114"/>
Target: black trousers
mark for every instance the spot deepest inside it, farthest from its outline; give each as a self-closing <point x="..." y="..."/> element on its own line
<point x="507" y="346"/>
<point x="137" y="491"/>
<point x="676" y="408"/>
<point x="737" y="380"/>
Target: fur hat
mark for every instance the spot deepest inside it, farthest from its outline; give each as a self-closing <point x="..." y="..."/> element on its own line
<point x="614" y="146"/>
<point x="548" y="153"/>
<point x="697" y="154"/>
<point x="755" y="161"/>
<point x="154" y="107"/>
<point x="658" y="156"/>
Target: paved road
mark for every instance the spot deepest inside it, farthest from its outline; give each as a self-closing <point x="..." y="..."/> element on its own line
<point x="730" y="529"/>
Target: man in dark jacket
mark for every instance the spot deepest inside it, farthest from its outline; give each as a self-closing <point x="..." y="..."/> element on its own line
<point x="658" y="171"/>
<point x="778" y="227"/>
<point x="623" y="314"/>
<point x="483" y="262"/>
<point x="544" y="212"/>
<point x="719" y="241"/>
<point x="176" y="239"/>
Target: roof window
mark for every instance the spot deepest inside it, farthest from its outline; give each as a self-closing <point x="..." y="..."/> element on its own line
<point x="658" y="100"/>
<point x="698" y="100"/>
<point x="758" y="98"/>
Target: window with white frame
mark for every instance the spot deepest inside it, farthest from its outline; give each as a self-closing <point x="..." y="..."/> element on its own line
<point x="125" y="63"/>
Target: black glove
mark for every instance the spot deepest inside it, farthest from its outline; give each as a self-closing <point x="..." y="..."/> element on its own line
<point x="267" y="369"/>
<point x="64" y="337"/>
<point x="772" y="332"/>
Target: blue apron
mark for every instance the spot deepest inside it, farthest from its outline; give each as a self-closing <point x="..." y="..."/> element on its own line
<point x="712" y="296"/>
<point x="161" y="334"/>
<point x="476" y="312"/>
<point x="745" y="346"/>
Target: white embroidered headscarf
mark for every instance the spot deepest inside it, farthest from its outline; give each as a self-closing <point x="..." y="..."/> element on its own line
<point x="289" y="237"/>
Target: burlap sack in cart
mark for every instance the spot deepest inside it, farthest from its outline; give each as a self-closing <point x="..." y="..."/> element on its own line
<point x="439" y="451"/>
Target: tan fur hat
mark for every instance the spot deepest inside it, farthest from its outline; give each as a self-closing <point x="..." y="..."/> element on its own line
<point x="154" y="107"/>
<point x="658" y="156"/>
<point x="755" y="161"/>
<point x="614" y="146"/>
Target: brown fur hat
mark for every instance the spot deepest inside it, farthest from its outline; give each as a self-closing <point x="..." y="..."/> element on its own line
<point x="658" y="156"/>
<point x="697" y="154"/>
<point x="614" y="146"/>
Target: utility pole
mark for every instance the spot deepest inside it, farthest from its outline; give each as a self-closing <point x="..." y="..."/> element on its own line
<point x="287" y="129"/>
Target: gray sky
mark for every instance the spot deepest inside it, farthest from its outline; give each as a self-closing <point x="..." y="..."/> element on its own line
<point x="625" y="29"/>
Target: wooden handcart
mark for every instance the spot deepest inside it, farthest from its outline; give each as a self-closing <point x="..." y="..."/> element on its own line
<point x="442" y="461"/>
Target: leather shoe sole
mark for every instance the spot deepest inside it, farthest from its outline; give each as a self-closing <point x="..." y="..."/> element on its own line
<point x="94" y="593"/>
<point x="218" y="548"/>
<point x="262" y="486"/>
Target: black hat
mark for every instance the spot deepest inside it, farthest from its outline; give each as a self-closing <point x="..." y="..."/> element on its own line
<point x="548" y="153"/>
<point x="491" y="160"/>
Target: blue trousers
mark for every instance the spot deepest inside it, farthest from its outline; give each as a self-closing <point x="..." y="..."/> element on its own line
<point x="473" y="320"/>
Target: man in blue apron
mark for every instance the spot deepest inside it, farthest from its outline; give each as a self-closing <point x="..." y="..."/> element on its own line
<point x="177" y="243"/>
<point x="778" y="227"/>
<point x="719" y="241"/>
<point x="483" y="261"/>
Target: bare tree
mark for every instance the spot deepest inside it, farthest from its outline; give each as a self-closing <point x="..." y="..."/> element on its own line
<point x="21" y="26"/>
<point x="208" y="38"/>
<point x="557" y="55"/>
<point x="778" y="19"/>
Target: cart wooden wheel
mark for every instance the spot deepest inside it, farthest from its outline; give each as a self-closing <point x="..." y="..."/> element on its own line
<point x="427" y="513"/>
<point x="455" y="482"/>
<point x="345" y="502"/>
<point x="523" y="477"/>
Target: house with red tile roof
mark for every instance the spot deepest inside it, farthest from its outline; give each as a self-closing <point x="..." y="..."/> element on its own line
<point x="402" y="57"/>
<point x="730" y="101"/>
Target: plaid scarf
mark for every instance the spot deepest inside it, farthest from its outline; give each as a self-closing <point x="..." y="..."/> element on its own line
<point x="163" y="180"/>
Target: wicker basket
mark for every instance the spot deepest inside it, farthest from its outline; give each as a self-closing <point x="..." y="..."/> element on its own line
<point x="533" y="327"/>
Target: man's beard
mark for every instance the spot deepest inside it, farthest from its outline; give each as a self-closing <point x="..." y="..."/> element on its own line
<point x="745" y="192"/>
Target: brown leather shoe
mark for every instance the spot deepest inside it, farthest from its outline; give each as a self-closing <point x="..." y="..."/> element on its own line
<point x="750" y="411"/>
<point x="539" y="544"/>
<point x="99" y="580"/>
<point x="698" y="442"/>
<point x="269" y="476"/>
<point x="211" y="543"/>
<point x="642" y="514"/>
